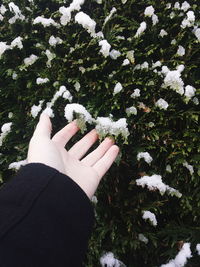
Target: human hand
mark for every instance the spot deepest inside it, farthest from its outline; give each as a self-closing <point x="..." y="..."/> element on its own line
<point x="86" y="171"/>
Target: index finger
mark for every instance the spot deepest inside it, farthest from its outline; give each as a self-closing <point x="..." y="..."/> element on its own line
<point x="65" y="134"/>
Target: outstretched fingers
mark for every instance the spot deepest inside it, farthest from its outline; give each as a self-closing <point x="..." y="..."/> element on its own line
<point x="81" y="147"/>
<point x="98" y="153"/>
<point x="103" y="164"/>
<point x="65" y="134"/>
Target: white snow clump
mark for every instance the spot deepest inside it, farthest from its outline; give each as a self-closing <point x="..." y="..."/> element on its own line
<point x="181" y="51"/>
<point x="3" y="48"/>
<point x="105" y="47"/>
<point x="42" y="80"/>
<point x="3" y="9"/>
<point x="185" y="6"/>
<point x="45" y="22"/>
<point x="197" y="33"/>
<point x="173" y="79"/>
<point x="87" y="23"/>
<point x="108" y="260"/>
<point x="53" y="41"/>
<point x="162" y="104"/>
<point x="17" y="42"/>
<point x="66" y="11"/>
<point x="118" y="87"/>
<point x="163" y="33"/>
<point x="113" y="10"/>
<point x="114" y="54"/>
<point x="5" y="130"/>
<point x="50" y="57"/>
<point x="126" y="62"/>
<point x="147" y="215"/>
<point x="154" y="182"/>
<point x="149" y="11"/>
<point x="141" y="29"/>
<point x="189" y="92"/>
<point x="198" y="249"/>
<point x="155" y="19"/>
<point x="189" y="20"/>
<point x="181" y="258"/>
<point x="70" y="109"/>
<point x="36" y="109"/>
<point x="105" y="126"/>
<point x="136" y="93"/>
<point x="17" y="165"/>
<point x="18" y="15"/>
<point x="144" y="155"/>
<point x="143" y="238"/>
<point x="189" y="167"/>
<point x="28" y="61"/>
<point x="131" y="110"/>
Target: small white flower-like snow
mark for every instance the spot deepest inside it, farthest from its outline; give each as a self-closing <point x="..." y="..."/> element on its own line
<point x="108" y="260"/>
<point x="181" y="51"/>
<point x="198" y="249"/>
<point x="87" y="23"/>
<point x="42" y="80"/>
<point x="189" y="91"/>
<point x="131" y="110"/>
<point x="70" y="109"/>
<point x="53" y="41"/>
<point x="106" y="126"/>
<point x="144" y="155"/>
<point x="181" y="258"/>
<point x="141" y="29"/>
<point x="118" y="87"/>
<point x="143" y="238"/>
<point x="155" y="182"/>
<point x="149" y="11"/>
<point x="17" y="42"/>
<point x="114" y="54"/>
<point x="3" y="48"/>
<point x="163" y="33"/>
<point x="30" y="60"/>
<point x="36" y="109"/>
<point x="105" y="47"/>
<point x="5" y="130"/>
<point x="17" y="165"/>
<point x="189" y="167"/>
<point x="197" y="33"/>
<point x="45" y="22"/>
<point x="136" y="93"/>
<point x="162" y="104"/>
<point x="147" y="215"/>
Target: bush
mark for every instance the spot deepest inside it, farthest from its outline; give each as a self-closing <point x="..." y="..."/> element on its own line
<point x="136" y="64"/>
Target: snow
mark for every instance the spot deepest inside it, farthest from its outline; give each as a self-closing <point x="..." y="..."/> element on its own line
<point x="147" y="215"/>
<point x="154" y="182"/>
<point x="181" y="258"/>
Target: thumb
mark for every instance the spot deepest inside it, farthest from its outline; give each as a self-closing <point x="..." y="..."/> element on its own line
<point x="44" y="126"/>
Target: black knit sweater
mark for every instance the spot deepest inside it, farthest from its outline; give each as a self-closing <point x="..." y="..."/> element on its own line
<point x="45" y="219"/>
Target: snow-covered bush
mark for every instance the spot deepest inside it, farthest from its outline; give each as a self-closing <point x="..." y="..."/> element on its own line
<point x="129" y="68"/>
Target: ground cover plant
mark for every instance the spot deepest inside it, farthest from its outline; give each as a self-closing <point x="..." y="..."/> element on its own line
<point x="129" y="68"/>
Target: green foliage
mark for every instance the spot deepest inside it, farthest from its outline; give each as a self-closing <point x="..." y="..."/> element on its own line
<point x="170" y="136"/>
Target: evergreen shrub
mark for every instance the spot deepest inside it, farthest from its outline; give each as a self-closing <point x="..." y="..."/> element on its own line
<point x="136" y="64"/>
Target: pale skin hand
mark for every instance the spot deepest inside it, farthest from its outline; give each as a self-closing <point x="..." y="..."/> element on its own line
<point x="86" y="171"/>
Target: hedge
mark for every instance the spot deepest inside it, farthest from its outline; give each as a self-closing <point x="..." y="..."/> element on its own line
<point x="129" y="68"/>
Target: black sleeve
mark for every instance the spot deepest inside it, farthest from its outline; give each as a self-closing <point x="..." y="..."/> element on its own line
<point x="45" y="219"/>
